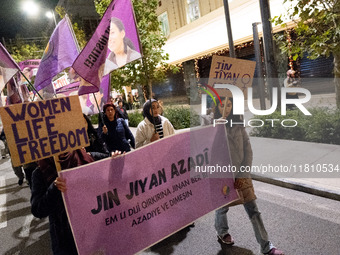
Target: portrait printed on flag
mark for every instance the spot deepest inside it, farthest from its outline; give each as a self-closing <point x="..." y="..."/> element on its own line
<point x="121" y="48"/>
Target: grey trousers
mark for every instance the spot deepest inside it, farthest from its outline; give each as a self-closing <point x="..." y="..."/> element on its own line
<point x="222" y="228"/>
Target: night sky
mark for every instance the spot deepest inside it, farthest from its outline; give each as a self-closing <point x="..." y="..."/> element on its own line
<point x="13" y="20"/>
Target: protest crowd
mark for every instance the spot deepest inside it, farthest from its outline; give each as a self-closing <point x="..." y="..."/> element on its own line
<point x="45" y="143"/>
<point x="112" y="138"/>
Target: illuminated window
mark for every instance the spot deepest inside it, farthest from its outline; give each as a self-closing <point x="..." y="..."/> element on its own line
<point x="163" y="19"/>
<point x="192" y="9"/>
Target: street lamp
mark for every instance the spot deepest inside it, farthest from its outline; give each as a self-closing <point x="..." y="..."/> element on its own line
<point x="50" y="15"/>
<point x="33" y="9"/>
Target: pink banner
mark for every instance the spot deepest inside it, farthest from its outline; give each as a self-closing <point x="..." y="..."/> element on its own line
<point x="126" y="204"/>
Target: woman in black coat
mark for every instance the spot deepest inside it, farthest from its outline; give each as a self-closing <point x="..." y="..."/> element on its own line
<point x="97" y="147"/>
<point x="46" y="199"/>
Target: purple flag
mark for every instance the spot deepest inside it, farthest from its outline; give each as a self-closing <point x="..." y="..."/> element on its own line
<point x="14" y="95"/>
<point x="114" y="44"/>
<point x="66" y="90"/>
<point x="8" y="67"/>
<point x="59" y="54"/>
<point x="29" y="70"/>
<point x="88" y="102"/>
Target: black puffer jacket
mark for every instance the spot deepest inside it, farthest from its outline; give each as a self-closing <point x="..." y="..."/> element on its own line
<point x="118" y="135"/>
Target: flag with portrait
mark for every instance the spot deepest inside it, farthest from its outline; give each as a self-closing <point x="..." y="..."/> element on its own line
<point x="114" y="44"/>
<point x="8" y="67"/>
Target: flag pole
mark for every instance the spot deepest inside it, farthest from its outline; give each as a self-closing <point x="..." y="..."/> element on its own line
<point x="32" y="87"/>
<point x="100" y="113"/>
<point x="72" y="32"/>
<point x="147" y="82"/>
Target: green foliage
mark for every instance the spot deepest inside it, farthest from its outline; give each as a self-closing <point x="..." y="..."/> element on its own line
<point x="21" y="51"/>
<point x="152" y="68"/>
<point x="135" y="118"/>
<point x="181" y="117"/>
<point x="79" y="33"/>
<point x="94" y="119"/>
<point x="323" y="126"/>
<point x="317" y="30"/>
<point x="278" y="131"/>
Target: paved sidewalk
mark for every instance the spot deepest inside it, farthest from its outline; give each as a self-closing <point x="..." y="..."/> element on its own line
<point x="300" y="157"/>
<point x="304" y="160"/>
<point x="309" y="167"/>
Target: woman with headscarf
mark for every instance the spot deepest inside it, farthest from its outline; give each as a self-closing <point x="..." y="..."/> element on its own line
<point x="154" y="126"/>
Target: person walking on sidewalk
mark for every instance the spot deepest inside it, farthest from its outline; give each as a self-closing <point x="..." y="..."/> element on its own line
<point x="4" y="149"/>
<point x="122" y="111"/>
<point x="241" y="155"/>
<point x="291" y="82"/>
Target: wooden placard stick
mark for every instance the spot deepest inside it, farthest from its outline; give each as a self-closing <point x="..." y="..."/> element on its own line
<point x="57" y="163"/>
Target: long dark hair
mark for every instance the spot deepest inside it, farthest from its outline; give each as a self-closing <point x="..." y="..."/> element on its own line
<point x="121" y="27"/>
<point x="231" y="116"/>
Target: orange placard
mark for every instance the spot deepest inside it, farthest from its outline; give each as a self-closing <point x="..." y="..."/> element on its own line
<point x="41" y="129"/>
<point x="238" y="72"/>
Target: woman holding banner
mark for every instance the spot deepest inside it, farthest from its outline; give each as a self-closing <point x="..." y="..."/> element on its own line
<point x="46" y="199"/>
<point x="241" y="155"/>
<point x="154" y="126"/>
<point x="114" y="131"/>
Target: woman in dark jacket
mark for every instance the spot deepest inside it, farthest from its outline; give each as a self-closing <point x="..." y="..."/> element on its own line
<point x="46" y="199"/>
<point x="97" y="147"/>
<point x="122" y="110"/>
<point x="115" y="133"/>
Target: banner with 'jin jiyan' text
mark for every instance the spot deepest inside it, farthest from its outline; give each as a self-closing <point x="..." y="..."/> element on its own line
<point x="124" y="205"/>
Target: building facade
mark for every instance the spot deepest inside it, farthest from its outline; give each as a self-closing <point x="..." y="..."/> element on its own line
<point x="196" y="30"/>
<point x="83" y="12"/>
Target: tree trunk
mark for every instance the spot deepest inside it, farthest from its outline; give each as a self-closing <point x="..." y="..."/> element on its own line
<point x="150" y="88"/>
<point x="337" y="78"/>
<point x="146" y="92"/>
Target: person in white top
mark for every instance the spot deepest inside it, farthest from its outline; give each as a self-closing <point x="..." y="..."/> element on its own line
<point x="154" y="126"/>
